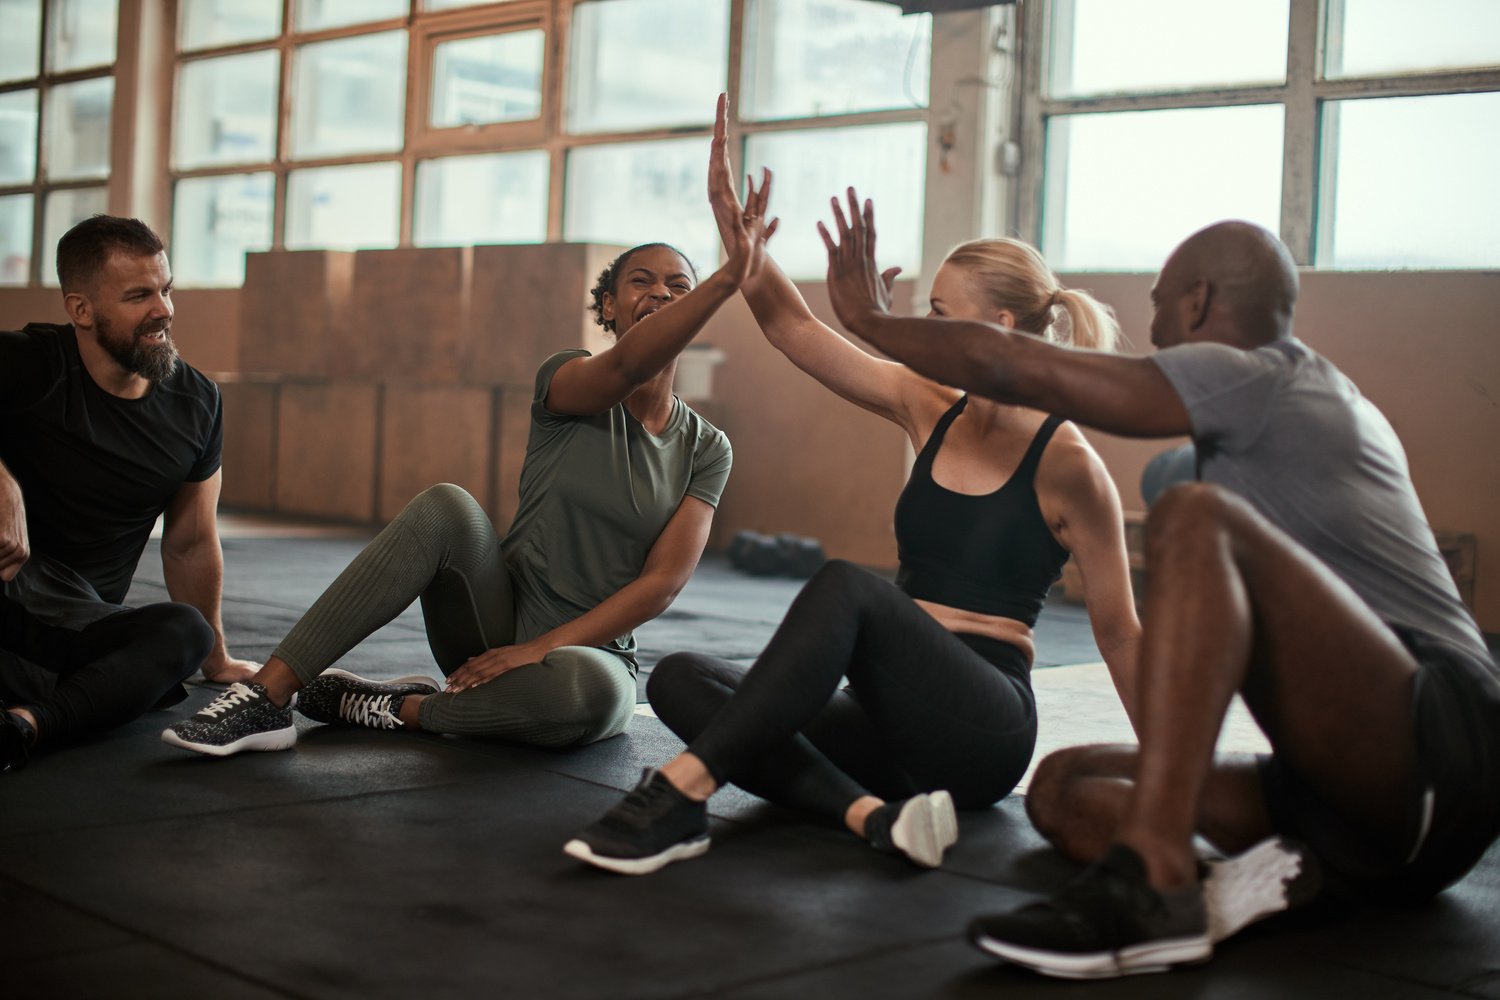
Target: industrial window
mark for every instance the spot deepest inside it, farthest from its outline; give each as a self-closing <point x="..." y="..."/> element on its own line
<point x="56" y="102"/>
<point x="1360" y="130"/>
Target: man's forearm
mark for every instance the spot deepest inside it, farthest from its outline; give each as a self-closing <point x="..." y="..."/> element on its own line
<point x="195" y="575"/>
<point x="975" y="357"/>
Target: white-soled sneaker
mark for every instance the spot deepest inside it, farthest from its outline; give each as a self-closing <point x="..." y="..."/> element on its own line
<point x="242" y="717"/>
<point x="921" y="827"/>
<point x="341" y="698"/>
<point x="653" y="826"/>
<point x="1274" y="875"/>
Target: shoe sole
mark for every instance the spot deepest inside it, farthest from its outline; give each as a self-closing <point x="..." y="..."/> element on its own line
<point x="637" y="866"/>
<point x="276" y="739"/>
<point x="1273" y="876"/>
<point x="413" y="680"/>
<point x="926" y="827"/>
<point x="1149" y="956"/>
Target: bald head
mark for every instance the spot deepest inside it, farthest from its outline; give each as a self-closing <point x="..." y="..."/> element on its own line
<point x="1242" y="279"/>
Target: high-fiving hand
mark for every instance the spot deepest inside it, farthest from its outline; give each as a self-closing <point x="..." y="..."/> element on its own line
<point x="856" y="285"/>
<point x="744" y="229"/>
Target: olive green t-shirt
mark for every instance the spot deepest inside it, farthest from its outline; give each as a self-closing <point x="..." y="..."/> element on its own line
<point x="595" y="494"/>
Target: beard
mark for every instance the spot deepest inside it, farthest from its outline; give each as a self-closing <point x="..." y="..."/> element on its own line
<point x="153" y="362"/>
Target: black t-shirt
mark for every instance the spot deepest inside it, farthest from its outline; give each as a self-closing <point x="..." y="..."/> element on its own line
<point x="96" y="470"/>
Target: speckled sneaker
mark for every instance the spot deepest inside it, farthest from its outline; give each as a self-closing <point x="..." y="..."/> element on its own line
<point x="242" y="718"/>
<point x="339" y="697"/>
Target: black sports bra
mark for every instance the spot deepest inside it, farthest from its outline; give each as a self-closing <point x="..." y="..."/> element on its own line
<point x="992" y="553"/>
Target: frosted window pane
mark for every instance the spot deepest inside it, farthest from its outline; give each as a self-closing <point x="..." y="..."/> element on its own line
<point x="830" y="57"/>
<point x="886" y="163"/>
<point x="15" y="239"/>
<point x="349" y="96"/>
<point x="1109" y="46"/>
<point x="1384" y="36"/>
<point x="209" y="23"/>
<point x="18" y="117"/>
<point x="77" y="129"/>
<point x="643" y="192"/>
<point x="226" y="110"/>
<point x="646" y="63"/>
<point x="1123" y="189"/>
<point x="315" y="15"/>
<point x="20" y="38"/>
<point x="215" y="220"/>
<point x="494" y="78"/>
<point x="1412" y="183"/>
<point x="64" y="210"/>
<point x="494" y="198"/>
<point x="81" y="34"/>
<point x="344" y="208"/>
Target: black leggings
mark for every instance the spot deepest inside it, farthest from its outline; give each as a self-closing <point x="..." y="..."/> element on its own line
<point x="82" y="680"/>
<point x="924" y="709"/>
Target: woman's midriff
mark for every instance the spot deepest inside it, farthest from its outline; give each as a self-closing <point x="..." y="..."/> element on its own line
<point x="1009" y="630"/>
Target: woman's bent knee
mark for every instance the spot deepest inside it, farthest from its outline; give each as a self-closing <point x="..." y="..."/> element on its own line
<point x="444" y="502"/>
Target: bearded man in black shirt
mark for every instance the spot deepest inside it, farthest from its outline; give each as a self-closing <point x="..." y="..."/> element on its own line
<point x="102" y="429"/>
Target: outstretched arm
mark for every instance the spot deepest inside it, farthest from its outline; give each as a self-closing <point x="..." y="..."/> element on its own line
<point x="1121" y="395"/>
<point x="820" y="351"/>
<point x="669" y="565"/>
<point x="192" y="563"/>
<point x="586" y="386"/>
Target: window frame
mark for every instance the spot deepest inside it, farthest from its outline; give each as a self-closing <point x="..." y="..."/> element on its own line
<point x="1304" y="95"/>
<point x="422" y="142"/>
<point x="40" y="187"/>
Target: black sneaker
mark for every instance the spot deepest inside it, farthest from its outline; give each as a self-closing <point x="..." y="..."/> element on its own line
<point x="921" y="828"/>
<point x="1274" y="875"/>
<point x="651" y="827"/>
<point x="15" y="741"/>
<point x="1106" y="922"/>
<point x="341" y="698"/>
<point x="241" y="718"/>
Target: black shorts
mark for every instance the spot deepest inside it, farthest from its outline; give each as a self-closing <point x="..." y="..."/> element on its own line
<point x="1453" y="805"/>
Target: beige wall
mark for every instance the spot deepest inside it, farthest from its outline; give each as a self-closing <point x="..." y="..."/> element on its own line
<point x="206" y="325"/>
<point x="1423" y="346"/>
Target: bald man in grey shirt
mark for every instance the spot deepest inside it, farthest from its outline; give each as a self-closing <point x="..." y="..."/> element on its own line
<point x="1301" y="574"/>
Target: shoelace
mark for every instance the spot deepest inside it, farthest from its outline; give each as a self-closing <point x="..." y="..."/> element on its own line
<point x="372" y="710"/>
<point x="234" y="695"/>
<point x="642" y="805"/>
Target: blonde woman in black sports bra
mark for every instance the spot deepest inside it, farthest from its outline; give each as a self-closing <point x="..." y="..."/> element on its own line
<point x="938" y="710"/>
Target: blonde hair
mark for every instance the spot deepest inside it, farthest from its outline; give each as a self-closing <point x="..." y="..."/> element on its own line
<point x="1012" y="275"/>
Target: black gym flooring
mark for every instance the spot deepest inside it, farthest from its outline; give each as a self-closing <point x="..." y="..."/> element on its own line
<point x="364" y="864"/>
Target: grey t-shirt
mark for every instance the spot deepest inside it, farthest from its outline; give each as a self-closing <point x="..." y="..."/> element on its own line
<point x="595" y="494"/>
<point x="1285" y="429"/>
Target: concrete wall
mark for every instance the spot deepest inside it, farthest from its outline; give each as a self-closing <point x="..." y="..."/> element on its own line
<point x="353" y="380"/>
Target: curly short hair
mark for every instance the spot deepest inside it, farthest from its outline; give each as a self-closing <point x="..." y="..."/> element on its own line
<point x="84" y="249"/>
<point x="609" y="280"/>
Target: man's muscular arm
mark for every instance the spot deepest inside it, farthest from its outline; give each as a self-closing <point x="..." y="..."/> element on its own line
<point x="15" y="546"/>
<point x="193" y="564"/>
<point x="1121" y="395"/>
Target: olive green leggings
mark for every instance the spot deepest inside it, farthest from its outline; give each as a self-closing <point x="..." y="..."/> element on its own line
<point x="443" y="550"/>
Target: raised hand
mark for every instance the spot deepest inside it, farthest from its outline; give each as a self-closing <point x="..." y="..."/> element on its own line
<point x="857" y="287"/>
<point x="744" y="229"/>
